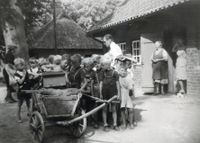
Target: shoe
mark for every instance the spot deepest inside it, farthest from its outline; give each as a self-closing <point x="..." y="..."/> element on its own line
<point x="123" y="127"/>
<point x="105" y="128"/>
<point x="131" y="126"/>
<point x="179" y="95"/>
<point x="96" y="126"/>
<point x="116" y="128"/>
<point x="135" y="124"/>
<point x="10" y="101"/>
<point x="19" y="121"/>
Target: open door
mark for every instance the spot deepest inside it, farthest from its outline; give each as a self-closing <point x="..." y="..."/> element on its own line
<point x="147" y="48"/>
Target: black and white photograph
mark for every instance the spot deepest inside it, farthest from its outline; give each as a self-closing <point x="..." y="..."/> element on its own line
<point x="99" y="71"/>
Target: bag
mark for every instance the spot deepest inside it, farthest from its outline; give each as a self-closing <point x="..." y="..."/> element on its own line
<point x="12" y="80"/>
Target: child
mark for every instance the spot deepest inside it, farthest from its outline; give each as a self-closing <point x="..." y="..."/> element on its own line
<point x="33" y="69"/>
<point x="42" y="62"/>
<point x="126" y="85"/>
<point x="65" y="63"/>
<point x="76" y="75"/>
<point x="181" y="73"/>
<point x="89" y="75"/>
<point x="88" y="88"/>
<point x="22" y="79"/>
<point x="109" y="87"/>
<point x="57" y="63"/>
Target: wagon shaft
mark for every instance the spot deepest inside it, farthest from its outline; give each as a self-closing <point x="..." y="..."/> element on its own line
<point x="66" y="123"/>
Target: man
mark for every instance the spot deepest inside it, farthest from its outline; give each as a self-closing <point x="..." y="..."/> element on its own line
<point x="114" y="49"/>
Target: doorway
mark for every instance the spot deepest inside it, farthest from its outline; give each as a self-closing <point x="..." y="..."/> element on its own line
<point x="169" y="37"/>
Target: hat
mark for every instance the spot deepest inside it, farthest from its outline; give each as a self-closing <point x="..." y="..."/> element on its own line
<point x="126" y="57"/>
<point x="129" y="57"/>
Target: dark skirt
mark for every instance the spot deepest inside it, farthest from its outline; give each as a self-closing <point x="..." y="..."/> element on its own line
<point x="160" y="70"/>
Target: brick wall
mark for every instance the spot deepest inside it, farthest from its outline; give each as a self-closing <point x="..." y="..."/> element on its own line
<point x="193" y="58"/>
<point x="193" y="71"/>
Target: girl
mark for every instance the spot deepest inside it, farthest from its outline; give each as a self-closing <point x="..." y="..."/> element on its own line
<point x="181" y="73"/>
<point x="126" y="85"/>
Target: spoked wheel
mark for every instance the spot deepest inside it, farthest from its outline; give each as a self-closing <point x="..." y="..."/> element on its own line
<point x="78" y="128"/>
<point x="37" y="126"/>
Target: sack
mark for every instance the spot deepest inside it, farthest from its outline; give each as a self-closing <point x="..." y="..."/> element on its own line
<point x="12" y="80"/>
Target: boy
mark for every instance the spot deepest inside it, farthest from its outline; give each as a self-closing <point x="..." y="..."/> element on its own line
<point x="76" y="75"/>
<point x="109" y="87"/>
<point x="22" y="79"/>
<point x="88" y="88"/>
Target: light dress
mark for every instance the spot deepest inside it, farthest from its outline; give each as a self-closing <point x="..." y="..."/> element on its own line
<point x="126" y="84"/>
<point x="181" y="64"/>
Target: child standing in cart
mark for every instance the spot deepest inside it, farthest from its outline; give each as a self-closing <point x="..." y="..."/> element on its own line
<point x="22" y="79"/>
<point x="109" y="87"/>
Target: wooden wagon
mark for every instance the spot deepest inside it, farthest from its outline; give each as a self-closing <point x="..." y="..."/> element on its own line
<point x="53" y="104"/>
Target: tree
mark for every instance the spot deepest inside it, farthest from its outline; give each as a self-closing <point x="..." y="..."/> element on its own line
<point x="18" y="18"/>
<point x="88" y="12"/>
<point x="12" y="23"/>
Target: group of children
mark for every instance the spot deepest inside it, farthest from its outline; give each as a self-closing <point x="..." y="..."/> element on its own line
<point x="94" y="76"/>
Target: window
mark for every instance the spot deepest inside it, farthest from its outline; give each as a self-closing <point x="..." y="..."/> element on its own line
<point x="136" y="51"/>
<point x="123" y="46"/>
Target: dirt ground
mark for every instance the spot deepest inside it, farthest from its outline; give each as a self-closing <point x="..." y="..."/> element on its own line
<point x="161" y="119"/>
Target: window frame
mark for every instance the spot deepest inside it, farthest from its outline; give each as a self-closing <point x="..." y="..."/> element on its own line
<point x="123" y="47"/>
<point x="136" y="50"/>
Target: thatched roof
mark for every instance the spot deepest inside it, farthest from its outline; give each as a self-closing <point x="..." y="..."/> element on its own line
<point x="134" y="9"/>
<point x="69" y="36"/>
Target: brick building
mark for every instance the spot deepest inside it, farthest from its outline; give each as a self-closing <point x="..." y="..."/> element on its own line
<point x="137" y="24"/>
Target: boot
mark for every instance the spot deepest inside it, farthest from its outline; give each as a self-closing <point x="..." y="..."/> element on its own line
<point x="156" y="88"/>
<point x="162" y="89"/>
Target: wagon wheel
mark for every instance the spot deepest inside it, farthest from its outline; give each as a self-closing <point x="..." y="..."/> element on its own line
<point x="37" y="126"/>
<point x="78" y="128"/>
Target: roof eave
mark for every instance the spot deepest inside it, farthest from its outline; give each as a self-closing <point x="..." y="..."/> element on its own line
<point x="135" y="18"/>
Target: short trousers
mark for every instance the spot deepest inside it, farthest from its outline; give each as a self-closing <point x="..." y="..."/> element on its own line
<point x="108" y="92"/>
<point x="23" y="97"/>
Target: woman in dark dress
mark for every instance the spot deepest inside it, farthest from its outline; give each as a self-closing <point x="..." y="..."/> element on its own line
<point x="160" y="67"/>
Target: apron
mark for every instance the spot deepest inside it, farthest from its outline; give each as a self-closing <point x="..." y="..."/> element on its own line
<point x="160" y="69"/>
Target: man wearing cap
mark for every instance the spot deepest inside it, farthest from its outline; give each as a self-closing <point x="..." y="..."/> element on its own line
<point x="114" y="49"/>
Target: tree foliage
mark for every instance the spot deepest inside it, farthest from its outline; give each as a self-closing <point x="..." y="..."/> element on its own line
<point x="35" y="12"/>
<point x="88" y="12"/>
<point x="7" y="13"/>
